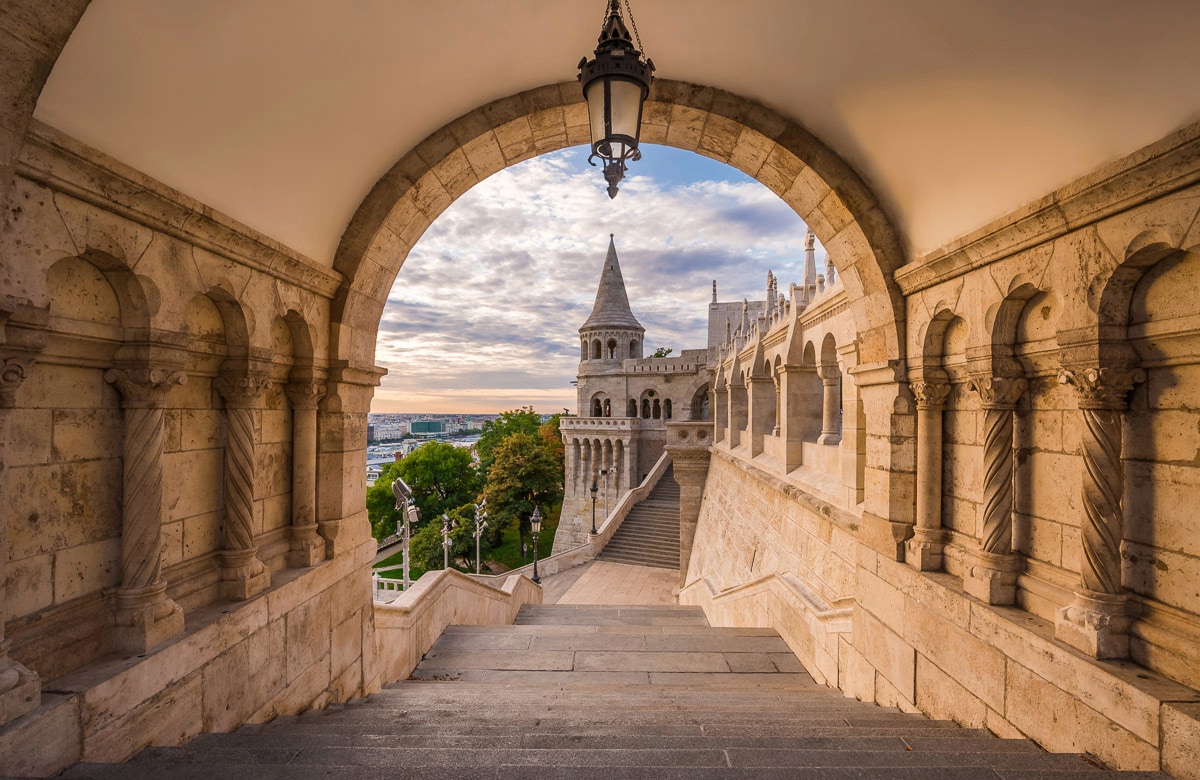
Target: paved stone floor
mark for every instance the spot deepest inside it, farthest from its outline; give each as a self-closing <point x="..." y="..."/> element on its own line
<point x="602" y="582"/>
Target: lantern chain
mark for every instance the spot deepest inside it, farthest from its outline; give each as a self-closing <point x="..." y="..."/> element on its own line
<point x="633" y="23"/>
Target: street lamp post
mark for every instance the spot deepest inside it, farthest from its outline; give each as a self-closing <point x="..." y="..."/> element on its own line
<point x="480" y="524"/>
<point x="535" y="523"/>
<point x="594" y="532"/>
<point x="405" y="504"/>
<point x="606" y="473"/>
<point x="447" y="526"/>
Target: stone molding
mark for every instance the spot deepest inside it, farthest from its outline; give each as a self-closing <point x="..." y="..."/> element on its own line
<point x="62" y="163"/>
<point x="305" y="395"/>
<point x="247" y="391"/>
<point x="998" y="392"/>
<point x="1102" y="388"/>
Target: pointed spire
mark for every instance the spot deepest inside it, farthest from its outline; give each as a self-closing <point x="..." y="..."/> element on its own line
<point x="611" y="309"/>
<point x="810" y="259"/>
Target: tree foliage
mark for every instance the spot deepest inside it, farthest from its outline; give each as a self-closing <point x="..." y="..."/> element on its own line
<point x="381" y="504"/>
<point x="442" y="478"/>
<point x="662" y="352"/>
<point x="524" y="475"/>
<point x="523" y="420"/>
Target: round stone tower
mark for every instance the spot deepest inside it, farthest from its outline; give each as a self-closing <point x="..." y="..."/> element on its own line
<point x="609" y="336"/>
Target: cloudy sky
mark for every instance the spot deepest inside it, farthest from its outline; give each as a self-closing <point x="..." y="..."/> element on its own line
<point x="484" y="315"/>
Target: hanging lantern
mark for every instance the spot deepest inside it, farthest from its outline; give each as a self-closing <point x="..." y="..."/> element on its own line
<point x="615" y="85"/>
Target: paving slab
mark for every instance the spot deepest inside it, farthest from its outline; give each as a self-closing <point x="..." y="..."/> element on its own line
<point x="600" y="661"/>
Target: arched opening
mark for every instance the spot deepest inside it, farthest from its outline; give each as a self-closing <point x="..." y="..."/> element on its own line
<point x="595" y="349"/>
<point x="612" y="349"/>
<point x="631" y="408"/>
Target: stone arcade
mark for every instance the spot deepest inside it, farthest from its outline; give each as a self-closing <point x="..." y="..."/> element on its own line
<point x="961" y="481"/>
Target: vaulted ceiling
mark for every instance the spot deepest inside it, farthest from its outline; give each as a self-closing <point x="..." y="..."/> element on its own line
<point x="284" y="113"/>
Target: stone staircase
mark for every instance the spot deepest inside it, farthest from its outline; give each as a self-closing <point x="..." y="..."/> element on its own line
<point x="606" y="692"/>
<point x="649" y="534"/>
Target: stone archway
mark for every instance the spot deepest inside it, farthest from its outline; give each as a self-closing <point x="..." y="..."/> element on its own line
<point x="823" y="190"/>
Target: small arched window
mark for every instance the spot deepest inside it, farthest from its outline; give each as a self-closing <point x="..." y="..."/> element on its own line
<point x="608" y="407"/>
<point x="646" y="408"/>
<point x="633" y="350"/>
<point x="612" y="349"/>
<point x="631" y="408"/>
<point x="596" y="349"/>
<point x="657" y="409"/>
<point x="596" y="409"/>
<point x="667" y="409"/>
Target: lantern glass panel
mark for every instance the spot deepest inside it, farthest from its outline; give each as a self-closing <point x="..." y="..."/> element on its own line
<point x="626" y="108"/>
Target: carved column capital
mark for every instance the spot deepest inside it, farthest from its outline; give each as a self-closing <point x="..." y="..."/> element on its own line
<point x="829" y="372"/>
<point x="305" y="395"/>
<point x="999" y="392"/>
<point x="13" y="371"/>
<point x="1102" y="388"/>
<point x="930" y="395"/>
<point x="144" y="388"/>
<point x="243" y="392"/>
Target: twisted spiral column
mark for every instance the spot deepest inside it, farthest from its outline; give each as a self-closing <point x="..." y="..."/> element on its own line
<point x="924" y="549"/>
<point x="20" y="689"/>
<point x="1098" y="620"/>
<point x="306" y="547"/>
<point x="993" y="574"/>
<point x="145" y="617"/>
<point x="242" y="573"/>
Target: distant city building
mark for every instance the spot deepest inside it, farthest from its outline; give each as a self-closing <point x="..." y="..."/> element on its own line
<point x="427" y="427"/>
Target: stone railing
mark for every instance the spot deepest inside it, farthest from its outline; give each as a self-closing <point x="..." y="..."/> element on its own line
<point x="809" y="624"/>
<point x="604" y="533"/>
<point x="584" y="425"/>
<point x="407" y="626"/>
<point x="383" y="588"/>
<point x="546" y="566"/>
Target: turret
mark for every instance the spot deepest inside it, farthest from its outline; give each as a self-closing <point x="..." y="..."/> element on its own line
<point x="611" y="333"/>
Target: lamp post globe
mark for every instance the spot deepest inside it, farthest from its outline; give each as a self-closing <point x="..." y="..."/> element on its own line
<point x="615" y="85"/>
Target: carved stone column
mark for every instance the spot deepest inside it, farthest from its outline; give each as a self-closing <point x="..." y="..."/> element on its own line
<point x="759" y="407"/>
<point x="1098" y="620"/>
<point x="791" y="425"/>
<point x="991" y="575"/>
<point x="242" y="574"/>
<point x="20" y="688"/>
<point x="924" y="550"/>
<point x="831" y="379"/>
<point x="307" y="548"/>
<point x="688" y="443"/>
<point x="145" y="616"/>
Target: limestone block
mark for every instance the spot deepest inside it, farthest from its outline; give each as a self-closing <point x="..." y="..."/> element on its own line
<point x="169" y="717"/>
<point x="190" y="481"/>
<point x="894" y="658"/>
<point x="29" y="585"/>
<point x="28" y="444"/>
<point x="80" y="434"/>
<point x="201" y="535"/>
<point x="346" y="643"/>
<point x="1181" y="740"/>
<point x="881" y="599"/>
<point x="36" y="234"/>
<point x="1166" y="435"/>
<point x="172" y="429"/>
<point x="201" y="429"/>
<point x="1163" y="574"/>
<point x="1038" y="538"/>
<point x="276" y="512"/>
<point x="86" y="568"/>
<point x="172" y="543"/>
<point x="1045" y="429"/>
<point x="856" y="675"/>
<point x="1167" y="516"/>
<point x="273" y="470"/>
<point x="1173" y="387"/>
<point x="308" y="636"/>
<point x="940" y="696"/>
<point x="65" y="387"/>
<point x="62" y="505"/>
<point x="886" y="695"/>
<point x="961" y="655"/>
<point x="44" y="742"/>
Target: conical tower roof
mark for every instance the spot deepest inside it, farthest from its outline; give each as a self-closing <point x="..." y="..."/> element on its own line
<point x="612" y="303"/>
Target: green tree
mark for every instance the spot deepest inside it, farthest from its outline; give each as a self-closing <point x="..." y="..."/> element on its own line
<point x="551" y="438"/>
<point x="662" y="352"/>
<point x="381" y="504"/>
<point x="441" y="476"/>
<point x="426" y="548"/>
<point x="523" y="420"/>
<point x="523" y="475"/>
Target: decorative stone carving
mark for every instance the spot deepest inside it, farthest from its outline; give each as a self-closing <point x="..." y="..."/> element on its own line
<point x="242" y="573"/>
<point x="13" y="371"/>
<point x="924" y="550"/>
<point x="307" y="548"/>
<point x="1098" y="621"/>
<point x="992" y="575"/>
<point x="145" y="617"/>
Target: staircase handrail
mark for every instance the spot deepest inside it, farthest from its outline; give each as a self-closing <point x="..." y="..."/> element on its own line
<point x="605" y="532"/>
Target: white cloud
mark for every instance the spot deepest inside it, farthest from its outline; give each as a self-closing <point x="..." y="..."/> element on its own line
<point x="484" y="315"/>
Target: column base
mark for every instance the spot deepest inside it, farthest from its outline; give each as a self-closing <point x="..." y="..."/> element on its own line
<point x="923" y="551"/>
<point x="829" y="438"/>
<point x="145" y="618"/>
<point x="992" y="577"/>
<point x="307" y="548"/>
<point x="243" y="575"/>
<point x="20" y="689"/>
<point x="1097" y="624"/>
<point x="884" y="536"/>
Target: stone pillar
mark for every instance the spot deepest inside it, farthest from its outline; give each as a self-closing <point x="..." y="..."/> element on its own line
<point x="720" y="411"/>
<point x="760" y="406"/>
<point x="688" y="444"/>
<point x="991" y="574"/>
<point x="20" y="688"/>
<point x="924" y="549"/>
<point x="736" y="393"/>
<point x="242" y="574"/>
<point x="307" y="548"/>
<point x="1098" y="620"/>
<point x="791" y="426"/>
<point x="145" y="617"/>
<point x="831" y="379"/>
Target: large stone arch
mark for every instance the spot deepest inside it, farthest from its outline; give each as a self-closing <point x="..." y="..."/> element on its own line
<point x="822" y="188"/>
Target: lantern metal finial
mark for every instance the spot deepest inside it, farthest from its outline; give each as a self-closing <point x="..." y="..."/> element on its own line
<point x="616" y="84"/>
